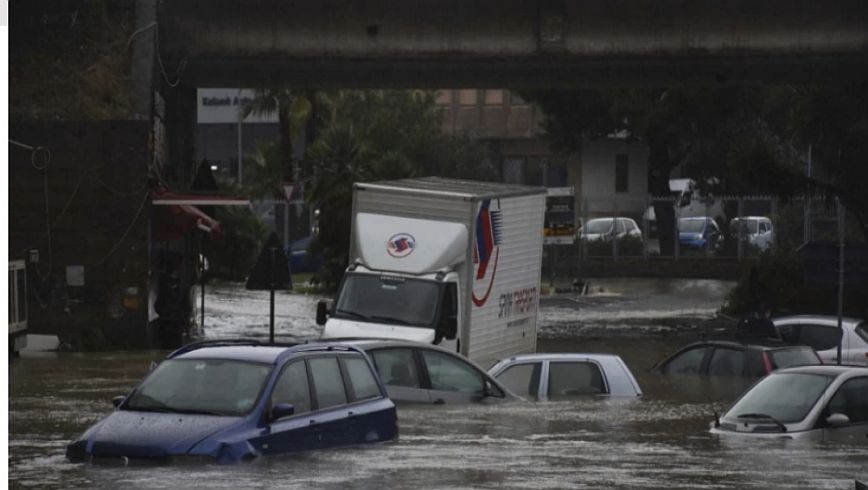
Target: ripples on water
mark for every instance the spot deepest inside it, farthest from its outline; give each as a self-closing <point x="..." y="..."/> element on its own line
<point x="658" y="441"/>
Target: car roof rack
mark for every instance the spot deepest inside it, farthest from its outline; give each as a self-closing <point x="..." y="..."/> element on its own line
<point x="224" y="342"/>
<point x="312" y="344"/>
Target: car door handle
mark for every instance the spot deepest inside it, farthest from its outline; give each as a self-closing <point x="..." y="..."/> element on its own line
<point x="312" y="421"/>
<point x="439" y="401"/>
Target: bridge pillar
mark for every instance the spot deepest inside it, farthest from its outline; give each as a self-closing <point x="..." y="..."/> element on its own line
<point x="143" y="63"/>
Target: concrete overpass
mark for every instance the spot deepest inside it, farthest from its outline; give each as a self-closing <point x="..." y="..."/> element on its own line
<point x="479" y="43"/>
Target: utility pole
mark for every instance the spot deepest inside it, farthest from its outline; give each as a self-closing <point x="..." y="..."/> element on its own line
<point x="240" y="121"/>
<point x="842" y="214"/>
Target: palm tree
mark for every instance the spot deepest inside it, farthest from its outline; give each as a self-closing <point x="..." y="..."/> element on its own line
<point x="294" y="110"/>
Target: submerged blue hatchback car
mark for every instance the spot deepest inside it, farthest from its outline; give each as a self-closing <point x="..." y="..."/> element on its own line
<point x="234" y="401"/>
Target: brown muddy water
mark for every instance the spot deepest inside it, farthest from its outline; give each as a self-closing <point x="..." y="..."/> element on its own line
<point x="658" y="441"/>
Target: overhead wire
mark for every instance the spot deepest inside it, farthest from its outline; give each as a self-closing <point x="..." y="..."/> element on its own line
<point x="182" y="65"/>
<point x="40" y="157"/>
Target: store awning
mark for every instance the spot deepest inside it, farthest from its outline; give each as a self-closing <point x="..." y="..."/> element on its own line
<point x="174" y="221"/>
<point x="176" y="215"/>
<point x="172" y="199"/>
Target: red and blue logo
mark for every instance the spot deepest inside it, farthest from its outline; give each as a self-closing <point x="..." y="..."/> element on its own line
<point x="488" y="237"/>
<point x="401" y="245"/>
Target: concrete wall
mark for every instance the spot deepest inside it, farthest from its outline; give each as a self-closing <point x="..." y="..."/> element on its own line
<point x="598" y="177"/>
<point x="89" y="286"/>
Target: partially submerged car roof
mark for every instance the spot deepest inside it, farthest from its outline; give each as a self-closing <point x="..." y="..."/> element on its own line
<point x="250" y="350"/>
<point x="828" y="320"/>
<point x="555" y="356"/>
<point x="825" y="369"/>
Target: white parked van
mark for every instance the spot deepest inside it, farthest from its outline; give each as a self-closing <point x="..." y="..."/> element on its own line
<point x="754" y="230"/>
<point x="448" y="262"/>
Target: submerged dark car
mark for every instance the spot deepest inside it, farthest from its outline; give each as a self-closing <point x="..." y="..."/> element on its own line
<point x="234" y="401"/>
<point x="736" y="358"/>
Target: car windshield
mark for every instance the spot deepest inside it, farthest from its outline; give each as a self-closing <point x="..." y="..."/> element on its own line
<point x="203" y="386"/>
<point x="603" y="225"/>
<point x="691" y="225"/>
<point x="787" y="397"/>
<point x="388" y="299"/>
<point x="745" y="227"/>
<point x="796" y="356"/>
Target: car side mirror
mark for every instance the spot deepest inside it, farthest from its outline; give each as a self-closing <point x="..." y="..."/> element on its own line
<point x="282" y="410"/>
<point x="116" y="401"/>
<point x="837" y="420"/>
<point x="490" y="390"/>
<point x="322" y="312"/>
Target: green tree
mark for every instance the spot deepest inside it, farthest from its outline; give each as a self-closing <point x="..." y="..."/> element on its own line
<point x="685" y="125"/>
<point x="749" y="138"/>
<point x="375" y="135"/>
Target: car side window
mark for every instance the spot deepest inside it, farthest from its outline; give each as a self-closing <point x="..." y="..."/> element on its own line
<point x="619" y="226"/>
<point x="788" y="333"/>
<point x="448" y="373"/>
<point x="820" y="337"/>
<point x="688" y="362"/>
<point x="521" y="379"/>
<point x="726" y="362"/>
<point x="574" y="378"/>
<point x="292" y="387"/>
<point x="327" y="382"/>
<point x="851" y="400"/>
<point x="361" y="378"/>
<point x="396" y="367"/>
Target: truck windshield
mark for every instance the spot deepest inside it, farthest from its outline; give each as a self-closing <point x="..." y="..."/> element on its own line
<point x="388" y="299"/>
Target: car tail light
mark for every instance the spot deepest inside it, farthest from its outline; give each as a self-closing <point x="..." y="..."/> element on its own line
<point x="767" y="363"/>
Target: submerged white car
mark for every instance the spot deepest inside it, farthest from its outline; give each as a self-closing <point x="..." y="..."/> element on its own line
<point x="824" y="403"/>
<point x="559" y="376"/>
<point x="821" y="332"/>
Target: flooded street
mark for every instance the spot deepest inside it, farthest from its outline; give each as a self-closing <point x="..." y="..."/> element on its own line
<point x="658" y="441"/>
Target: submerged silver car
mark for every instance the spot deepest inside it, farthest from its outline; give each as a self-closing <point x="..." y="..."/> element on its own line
<point x="828" y="403"/>
<point x="557" y="376"/>
<point x="418" y="373"/>
<point x="821" y="332"/>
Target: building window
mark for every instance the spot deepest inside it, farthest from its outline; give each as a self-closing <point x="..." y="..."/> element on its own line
<point x="494" y="97"/>
<point x="467" y="96"/>
<point x="444" y="97"/>
<point x="622" y="173"/>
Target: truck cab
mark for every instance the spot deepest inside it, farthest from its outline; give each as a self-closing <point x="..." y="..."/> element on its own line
<point x="391" y="305"/>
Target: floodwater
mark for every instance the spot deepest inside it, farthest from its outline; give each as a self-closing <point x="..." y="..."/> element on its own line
<point x="658" y="441"/>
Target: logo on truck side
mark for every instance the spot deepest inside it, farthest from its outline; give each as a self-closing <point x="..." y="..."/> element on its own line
<point x="401" y="245"/>
<point x="488" y="236"/>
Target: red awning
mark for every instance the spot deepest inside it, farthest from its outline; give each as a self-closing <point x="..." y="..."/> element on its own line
<point x="172" y="199"/>
<point x="172" y="222"/>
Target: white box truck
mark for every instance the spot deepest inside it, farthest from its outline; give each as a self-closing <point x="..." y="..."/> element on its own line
<point x="450" y="262"/>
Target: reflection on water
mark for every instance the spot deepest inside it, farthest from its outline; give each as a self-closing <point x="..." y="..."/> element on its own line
<point x="657" y="441"/>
